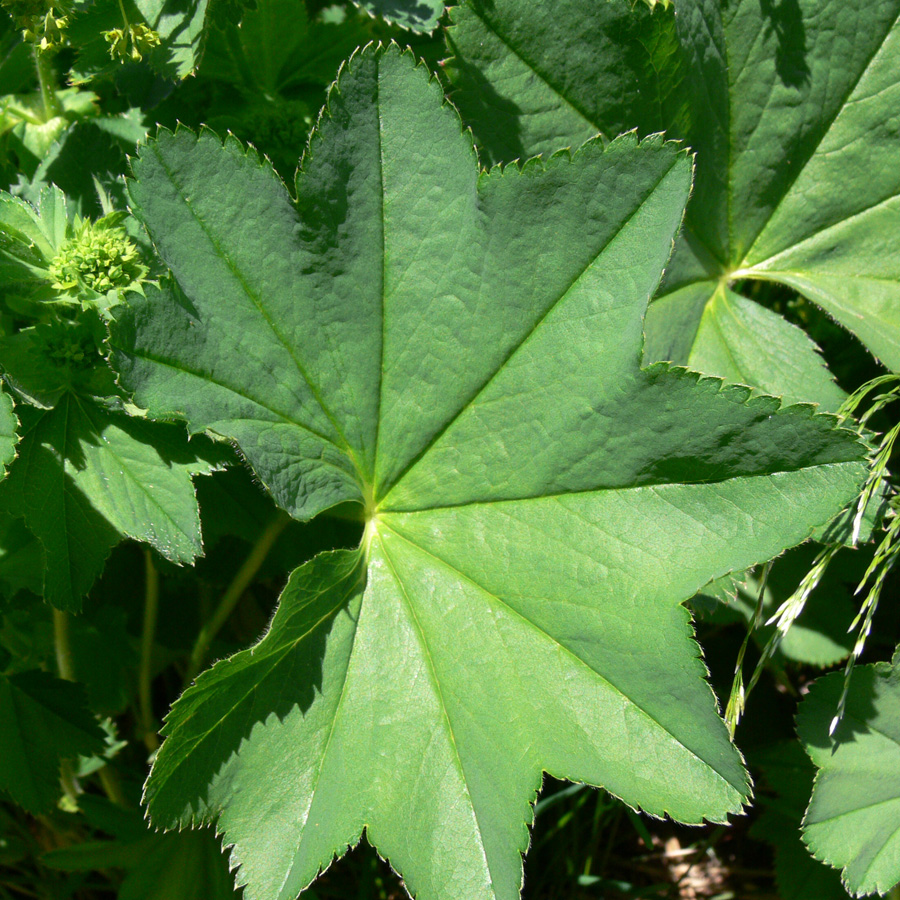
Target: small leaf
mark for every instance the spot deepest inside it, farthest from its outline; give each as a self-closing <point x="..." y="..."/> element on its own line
<point x="88" y="477"/>
<point x="710" y="328"/>
<point x="853" y="819"/>
<point x="457" y="353"/>
<point x="44" y="720"/>
<point x="8" y="432"/>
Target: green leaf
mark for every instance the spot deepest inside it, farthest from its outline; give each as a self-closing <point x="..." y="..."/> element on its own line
<point x="8" y="431"/>
<point x="853" y="819"/>
<point x="179" y="866"/>
<point x="791" y="108"/>
<point x="87" y="478"/>
<point x="709" y="328"/>
<point x="459" y="354"/>
<point x="416" y="15"/>
<point x="44" y="720"/>
<point x="30" y="236"/>
<point x="21" y="557"/>
<point x="806" y="129"/>
<point x="277" y="47"/>
<point x="532" y="78"/>
<point x="789" y="773"/>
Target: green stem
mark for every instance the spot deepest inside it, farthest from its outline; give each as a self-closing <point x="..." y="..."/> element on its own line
<point x="234" y="592"/>
<point x="65" y="664"/>
<point x="62" y="643"/>
<point x="148" y="635"/>
<point x="22" y="113"/>
<point x="47" y="81"/>
<point x="112" y="787"/>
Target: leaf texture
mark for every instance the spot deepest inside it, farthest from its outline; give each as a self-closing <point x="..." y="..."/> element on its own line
<point x="8" y="432"/>
<point x="416" y="15"/>
<point x="459" y="353"/>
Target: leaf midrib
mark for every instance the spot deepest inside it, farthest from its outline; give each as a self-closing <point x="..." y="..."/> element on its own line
<point x="204" y="376"/>
<point x="142" y="488"/>
<point x="557" y="495"/>
<point x="440" y="696"/>
<point x="257" y="302"/>
<point x="523" y="340"/>
<point x="570" y="653"/>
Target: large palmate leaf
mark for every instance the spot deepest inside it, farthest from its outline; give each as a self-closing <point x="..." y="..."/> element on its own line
<point x="458" y="353"/>
<point x="791" y="107"/>
<point x="44" y="720"/>
<point x="853" y="819"/>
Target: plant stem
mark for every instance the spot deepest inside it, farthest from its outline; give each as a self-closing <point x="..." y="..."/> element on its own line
<point x="62" y="644"/>
<point x="47" y="81"/>
<point x="233" y="593"/>
<point x="112" y="787"/>
<point x="22" y="113"/>
<point x="65" y="664"/>
<point x="148" y="635"/>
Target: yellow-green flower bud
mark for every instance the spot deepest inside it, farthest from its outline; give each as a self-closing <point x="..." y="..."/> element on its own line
<point x="98" y="257"/>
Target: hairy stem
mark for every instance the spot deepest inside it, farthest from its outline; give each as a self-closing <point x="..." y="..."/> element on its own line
<point x="148" y="635"/>
<point x="233" y="593"/>
<point x="47" y="81"/>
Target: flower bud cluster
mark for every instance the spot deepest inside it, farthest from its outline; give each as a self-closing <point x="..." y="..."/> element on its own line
<point x="97" y="257"/>
<point x="131" y="42"/>
<point x="42" y="23"/>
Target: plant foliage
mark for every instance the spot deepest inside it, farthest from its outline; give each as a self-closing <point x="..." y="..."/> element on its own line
<point x="452" y="420"/>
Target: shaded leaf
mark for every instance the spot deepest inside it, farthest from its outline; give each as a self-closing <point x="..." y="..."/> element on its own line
<point x="21" y="556"/>
<point x="416" y="15"/>
<point x="175" y="866"/>
<point x="789" y="772"/>
<point x="853" y="819"/>
<point x="180" y="25"/>
<point x="44" y="720"/>
<point x="87" y="478"/>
